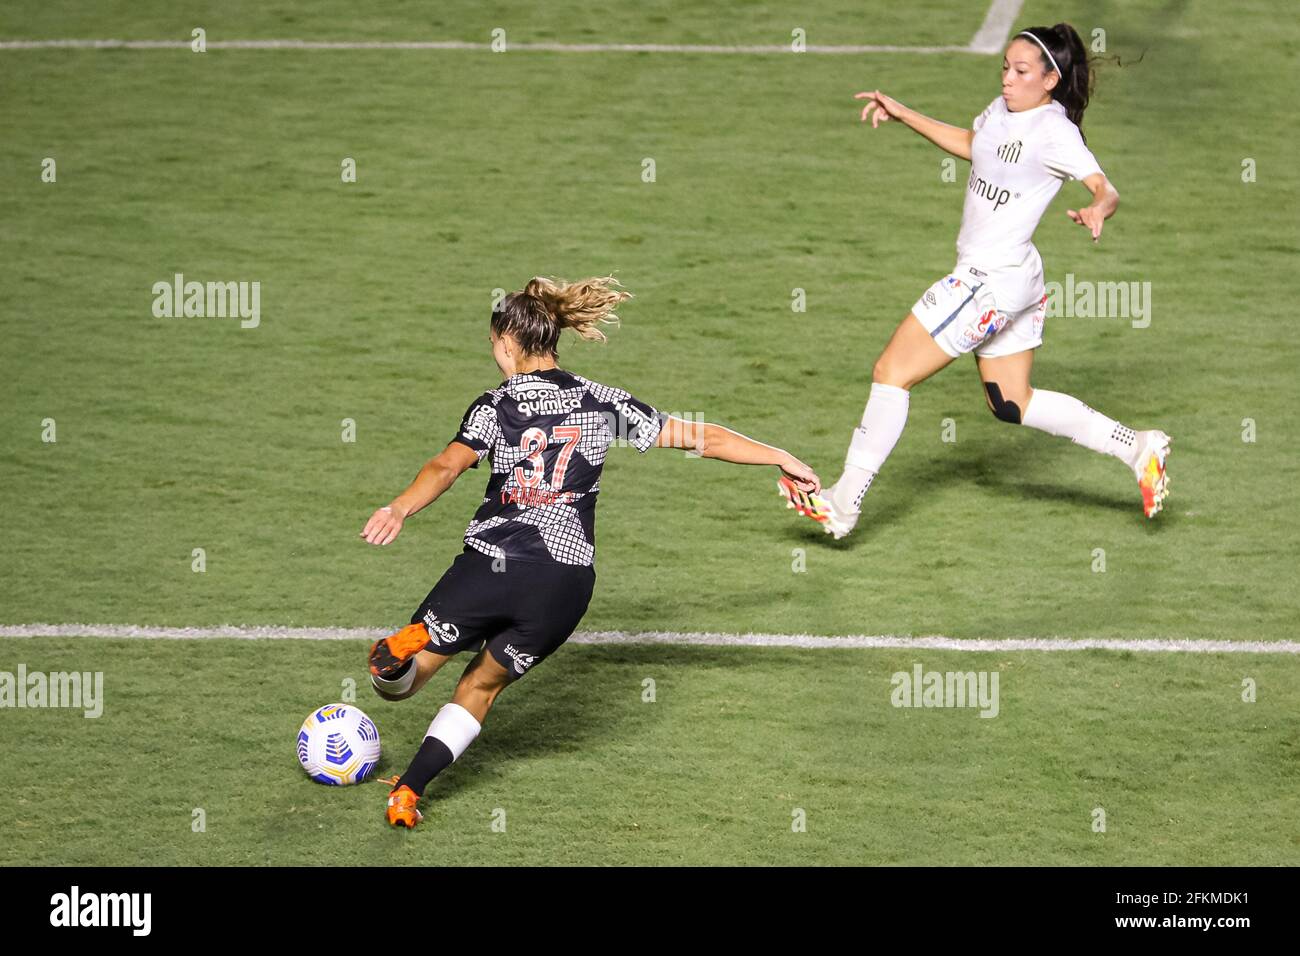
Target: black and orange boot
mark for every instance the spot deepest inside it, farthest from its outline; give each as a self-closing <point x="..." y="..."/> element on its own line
<point x="401" y="808"/>
<point x="388" y="656"/>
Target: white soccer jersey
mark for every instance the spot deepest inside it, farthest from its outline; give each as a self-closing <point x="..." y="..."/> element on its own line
<point x="1018" y="162"/>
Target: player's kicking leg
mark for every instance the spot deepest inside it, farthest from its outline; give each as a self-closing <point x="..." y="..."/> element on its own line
<point x="450" y="734"/>
<point x="1011" y="399"/>
<point x="400" y="664"/>
<point x="910" y="357"/>
<point x="541" y="608"/>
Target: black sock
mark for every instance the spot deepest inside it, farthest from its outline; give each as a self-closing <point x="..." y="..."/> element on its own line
<point x="431" y="759"/>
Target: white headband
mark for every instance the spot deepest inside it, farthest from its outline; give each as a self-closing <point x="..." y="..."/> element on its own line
<point x="1046" y="51"/>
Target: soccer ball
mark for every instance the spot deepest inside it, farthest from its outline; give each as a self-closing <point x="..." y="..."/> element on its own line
<point x="338" y="744"/>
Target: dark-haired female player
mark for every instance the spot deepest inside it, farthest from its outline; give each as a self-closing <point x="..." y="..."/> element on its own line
<point x="1021" y="148"/>
<point x="525" y="578"/>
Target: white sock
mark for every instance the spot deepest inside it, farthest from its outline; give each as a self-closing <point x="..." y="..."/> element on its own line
<point x="399" y="685"/>
<point x="873" y="440"/>
<point x="455" y="727"/>
<point x="1064" y="415"/>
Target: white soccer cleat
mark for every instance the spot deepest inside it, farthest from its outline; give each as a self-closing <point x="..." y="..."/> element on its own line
<point x="820" y="508"/>
<point x="838" y="523"/>
<point x="1149" y="467"/>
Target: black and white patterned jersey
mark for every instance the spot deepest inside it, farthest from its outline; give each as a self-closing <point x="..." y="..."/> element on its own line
<point x="547" y="433"/>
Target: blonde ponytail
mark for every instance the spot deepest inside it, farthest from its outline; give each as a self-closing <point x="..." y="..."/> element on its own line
<point x="582" y="306"/>
<point x="536" y="316"/>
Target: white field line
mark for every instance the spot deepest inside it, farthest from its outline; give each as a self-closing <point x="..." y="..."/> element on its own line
<point x="992" y="34"/>
<point x="987" y="40"/>
<point x="677" y="639"/>
<point x="463" y="45"/>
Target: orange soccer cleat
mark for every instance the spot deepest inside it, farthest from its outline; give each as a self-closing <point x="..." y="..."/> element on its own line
<point x="819" y="507"/>
<point x="1150" y="471"/>
<point x="388" y="655"/>
<point x="401" y="808"/>
<point x="801" y="501"/>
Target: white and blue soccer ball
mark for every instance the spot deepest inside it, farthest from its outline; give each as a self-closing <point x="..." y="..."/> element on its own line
<point x="338" y="744"/>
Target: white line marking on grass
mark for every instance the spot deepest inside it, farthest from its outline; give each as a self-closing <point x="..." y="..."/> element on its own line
<point x="992" y="34"/>
<point x="815" y="641"/>
<point x="990" y="37"/>
<point x="462" y="45"/>
<point x="677" y="639"/>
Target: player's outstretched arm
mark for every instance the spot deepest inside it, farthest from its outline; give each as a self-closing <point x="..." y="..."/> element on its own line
<point x="881" y="108"/>
<point x="438" y="474"/>
<point x="714" y="441"/>
<point x="1105" y="200"/>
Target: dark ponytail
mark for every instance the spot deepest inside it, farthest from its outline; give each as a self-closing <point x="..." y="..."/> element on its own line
<point x="1075" y="85"/>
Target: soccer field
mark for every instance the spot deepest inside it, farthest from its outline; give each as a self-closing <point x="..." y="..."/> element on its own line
<point x="140" y="448"/>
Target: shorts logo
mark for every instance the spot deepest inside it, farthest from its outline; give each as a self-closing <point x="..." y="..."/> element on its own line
<point x="929" y="296"/>
<point x="985" y="327"/>
<point x="440" y="632"/>
<point x="986" y="323"/>
<point x="522" y="661"/>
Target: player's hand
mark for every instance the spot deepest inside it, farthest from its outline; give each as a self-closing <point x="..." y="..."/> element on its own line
<point x="1090" y="217"/>
<point x="384" y="525"/>
<point x="801" y="474"/>
<point x="880" y="108"/>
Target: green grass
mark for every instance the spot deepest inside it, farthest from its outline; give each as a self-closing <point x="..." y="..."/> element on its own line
<point x="477" y="171"/>
<point x="827" y="22"/>
<point x="711" y="772"/>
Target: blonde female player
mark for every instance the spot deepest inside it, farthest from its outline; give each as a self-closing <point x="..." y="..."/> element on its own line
<point x="525" y="578"/>
<point x="1021" y="148"/>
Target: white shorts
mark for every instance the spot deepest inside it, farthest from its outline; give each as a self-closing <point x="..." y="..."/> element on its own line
<point x="961" y="316"/>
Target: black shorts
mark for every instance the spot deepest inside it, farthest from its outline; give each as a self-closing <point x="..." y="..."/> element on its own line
<point x="523" y="612"/>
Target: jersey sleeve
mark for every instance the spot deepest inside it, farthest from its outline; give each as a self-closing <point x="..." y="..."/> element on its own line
<point x="978" y="122"/>
<point x="1066" y="156"/>
<point x="639" y="424"/>
<point x="480" y="428"/>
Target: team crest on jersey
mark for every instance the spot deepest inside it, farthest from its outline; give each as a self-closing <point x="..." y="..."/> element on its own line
<point x="1009" y="152"/>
